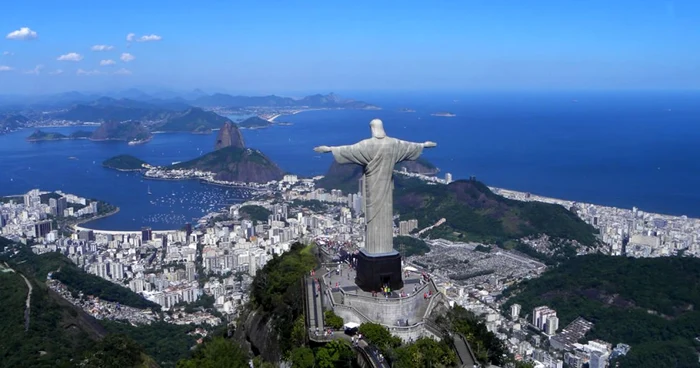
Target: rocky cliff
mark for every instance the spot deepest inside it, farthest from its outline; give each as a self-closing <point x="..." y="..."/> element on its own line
<point x="256" y="333"/>
<point x="228" y="136"/>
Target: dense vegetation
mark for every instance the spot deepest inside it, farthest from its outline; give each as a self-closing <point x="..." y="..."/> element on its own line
<point x="474" y="213"/>
<point x="649" y="303"/>
<point x="412" y="246"/>
<point x="70" y="275"/>
<point x="235" y="164"/>
<point x="254" y="122"/>
<point x="58" y="332"/>
<point x="255" y="213"/>
<point x="124" y="163"/>
<point x="166" y="343"/>
<point x="218" y="352"/>
<point x="277" y="293"/>
<point x="486" y="346"/>
<point x="117" y="351"/>
<point x="78" y="280"/>
<point x="313" y="205"/>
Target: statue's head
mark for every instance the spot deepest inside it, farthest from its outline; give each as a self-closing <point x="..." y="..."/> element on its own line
<point x="377" y="128"/>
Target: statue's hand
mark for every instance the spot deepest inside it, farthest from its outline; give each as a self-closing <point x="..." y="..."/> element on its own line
<point x="429" y="144"/>
<point x="322" y="149"/>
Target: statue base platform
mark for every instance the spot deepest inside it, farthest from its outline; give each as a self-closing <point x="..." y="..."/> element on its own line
<point x="376" y="270"/>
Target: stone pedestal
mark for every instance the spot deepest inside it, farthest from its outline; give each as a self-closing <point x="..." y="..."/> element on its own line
<point x="376" y="270"/>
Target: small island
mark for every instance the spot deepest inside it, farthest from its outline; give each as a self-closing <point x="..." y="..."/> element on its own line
<point x="254" y="122"/>
<point x="444" y="114"/>
<point x="42" y="136"/>
<point x="125" y="163"/>
<point x="406" y="109"/>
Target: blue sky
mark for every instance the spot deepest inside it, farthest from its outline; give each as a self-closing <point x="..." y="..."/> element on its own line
<point x="284" y="46"/>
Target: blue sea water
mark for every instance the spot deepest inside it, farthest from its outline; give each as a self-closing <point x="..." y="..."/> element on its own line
<point x="621" y="149"/>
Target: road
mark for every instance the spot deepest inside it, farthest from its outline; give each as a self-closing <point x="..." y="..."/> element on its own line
<point x="29" y="303"/>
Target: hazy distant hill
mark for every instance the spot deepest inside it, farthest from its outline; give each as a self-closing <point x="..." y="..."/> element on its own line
<point x="315" y="101"/>
<point x="193" y="120"/>
<point x="236" y="164"/>
<point x="40" y="135"/>
<point x="107" y="109"/>
<point x="12" y="122"/>
<point x="124" y="131"/>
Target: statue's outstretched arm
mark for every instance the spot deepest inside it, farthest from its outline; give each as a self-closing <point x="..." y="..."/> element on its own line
<point x="322" y="149"/>
<point x="429" y="144"/>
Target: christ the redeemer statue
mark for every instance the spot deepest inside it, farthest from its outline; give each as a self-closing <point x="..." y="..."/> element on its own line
<point x="378" y="155"/>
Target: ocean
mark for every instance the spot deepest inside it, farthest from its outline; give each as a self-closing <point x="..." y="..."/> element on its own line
<point x="621" y="149"/>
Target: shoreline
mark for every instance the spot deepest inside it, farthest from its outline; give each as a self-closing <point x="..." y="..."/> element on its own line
<point x="80" y="222"/>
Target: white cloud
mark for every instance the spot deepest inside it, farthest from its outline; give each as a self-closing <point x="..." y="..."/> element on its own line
<point x="56" y="72"/>
<point x="5" y="68"/>
<point x="149" y="38"/>
<point x="24" y="33"/>
<point x="7" y="53"/>
<point x="127" y="57"/>
<point x="123" y="71"/>
<point x="107" y="62"/>
<point x="102" y="48"/>
<point x="35" y="71"/>
<point x="88" y="72"/>
<point x="130" y="37"/>
<point x="71" y="56"/>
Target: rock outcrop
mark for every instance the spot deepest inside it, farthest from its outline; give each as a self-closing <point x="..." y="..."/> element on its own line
<point x="228" y="136"/>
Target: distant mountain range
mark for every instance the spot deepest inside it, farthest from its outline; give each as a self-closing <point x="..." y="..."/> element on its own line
<point x="178" y="100"/>
<point x="163" y="111"/>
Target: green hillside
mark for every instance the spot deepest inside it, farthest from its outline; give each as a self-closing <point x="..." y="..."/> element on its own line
<point x="475" y="213"/>
<point x="235" y="164"/>
<point x="649" y="303"/>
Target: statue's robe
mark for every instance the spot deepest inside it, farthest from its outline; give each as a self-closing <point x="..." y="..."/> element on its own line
<point x="378" y="157"/>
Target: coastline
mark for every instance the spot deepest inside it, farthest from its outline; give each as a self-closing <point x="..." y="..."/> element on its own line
<point x="80" y="222"/>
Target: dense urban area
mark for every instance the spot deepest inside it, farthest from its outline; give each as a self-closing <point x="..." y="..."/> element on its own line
<point x="211" y="263"/>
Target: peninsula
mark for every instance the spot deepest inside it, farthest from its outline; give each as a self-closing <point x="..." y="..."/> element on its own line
<point x="125" y="163"/>
<point x="42" y="136"/>
<point x="254" y="122"/>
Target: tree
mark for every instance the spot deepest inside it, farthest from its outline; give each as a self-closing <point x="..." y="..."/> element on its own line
<point x="336" y="353"/>
<point x="425" y="352"/>
<point x="217" y="353"/>
<point x="299" y="331"/>
<point x="115" y="351"/>
<point x="302" y="357"/>
<point x="379" y="336"/>
<point x="333" y="320"/>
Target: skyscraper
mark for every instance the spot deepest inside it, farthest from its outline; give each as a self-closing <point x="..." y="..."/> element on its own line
<point x="146" y="234"/>
<point x="515" y="311"/>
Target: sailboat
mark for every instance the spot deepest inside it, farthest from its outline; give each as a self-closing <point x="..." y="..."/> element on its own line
<point x="149" y="190"/>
